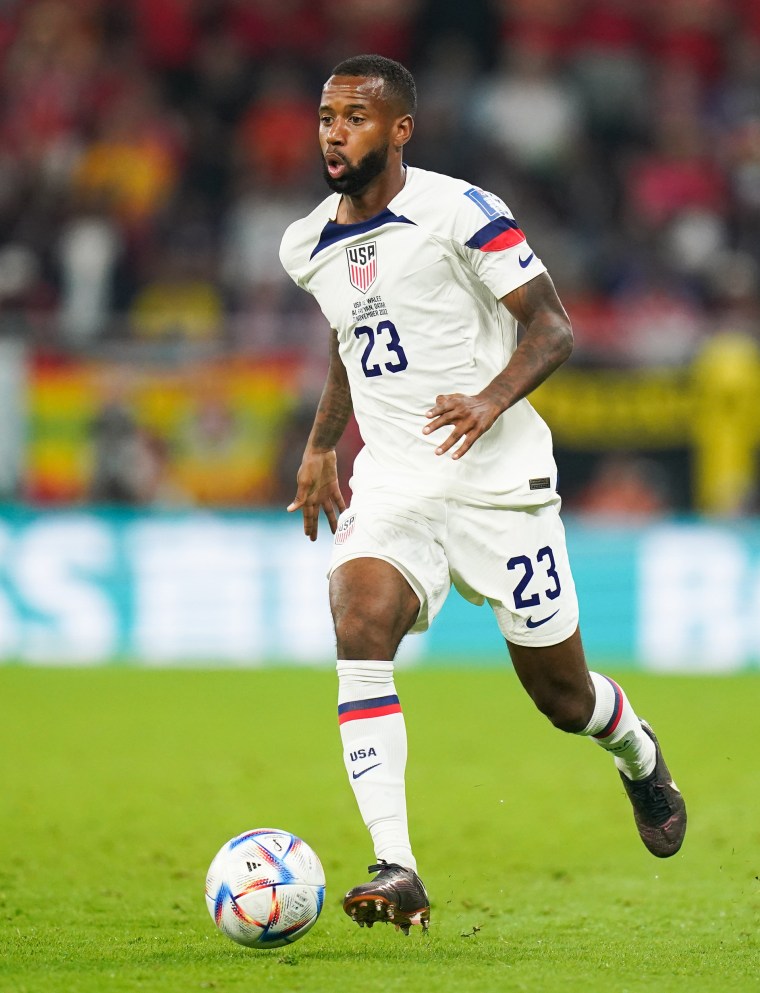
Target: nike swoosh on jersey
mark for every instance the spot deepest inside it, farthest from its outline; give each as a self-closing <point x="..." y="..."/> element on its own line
<point x="537" y="624"/>
<point x="524" y="263"/>
<point x="356" y="775"/>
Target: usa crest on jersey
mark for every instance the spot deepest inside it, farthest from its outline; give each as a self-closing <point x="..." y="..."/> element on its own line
<point x="362" y="265"/>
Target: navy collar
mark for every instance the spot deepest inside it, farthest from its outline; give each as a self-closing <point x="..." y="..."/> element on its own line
<point x="332" y="232"/>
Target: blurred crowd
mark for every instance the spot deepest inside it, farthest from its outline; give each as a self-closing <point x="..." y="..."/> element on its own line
<point x="152" y="153"/>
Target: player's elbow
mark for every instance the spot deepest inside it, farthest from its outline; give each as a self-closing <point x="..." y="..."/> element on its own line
<point x="564" y="341"/>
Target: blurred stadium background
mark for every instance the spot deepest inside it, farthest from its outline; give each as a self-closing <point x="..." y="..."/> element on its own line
<point x="159" y="371"/>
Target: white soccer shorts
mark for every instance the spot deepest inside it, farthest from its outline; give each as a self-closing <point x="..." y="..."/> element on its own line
<point x="515" y="559"/>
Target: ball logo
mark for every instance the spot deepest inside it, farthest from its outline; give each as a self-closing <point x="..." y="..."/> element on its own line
<point x="362" y="265"/>
<point x="345" y="529"/>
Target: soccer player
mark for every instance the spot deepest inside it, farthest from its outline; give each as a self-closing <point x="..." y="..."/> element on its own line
<point x="423" y="279"/>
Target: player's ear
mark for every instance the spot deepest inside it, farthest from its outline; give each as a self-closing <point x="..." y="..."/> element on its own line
<point x="402" y="130"/>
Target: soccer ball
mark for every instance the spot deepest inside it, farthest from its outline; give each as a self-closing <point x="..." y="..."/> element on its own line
<point x="265" y="888"/>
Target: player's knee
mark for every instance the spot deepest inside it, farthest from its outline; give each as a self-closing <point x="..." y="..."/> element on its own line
<point x="364" y="635"/>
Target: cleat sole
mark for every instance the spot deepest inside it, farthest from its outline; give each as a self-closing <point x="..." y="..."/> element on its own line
<point x="396" y="896"/>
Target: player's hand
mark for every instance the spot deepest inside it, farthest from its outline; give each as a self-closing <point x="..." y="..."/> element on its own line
<point x="318" y="488"/>
<point x="469" y="416"/>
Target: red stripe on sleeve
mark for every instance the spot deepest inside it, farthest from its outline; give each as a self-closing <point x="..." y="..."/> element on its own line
<point x="505" y="239"/>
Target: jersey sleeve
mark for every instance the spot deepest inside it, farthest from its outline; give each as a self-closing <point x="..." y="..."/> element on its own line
<point x="487" y="237"/>
<point x="289" y="253"/>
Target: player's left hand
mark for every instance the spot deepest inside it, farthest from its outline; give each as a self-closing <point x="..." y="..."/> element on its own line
<point x="470" y="416"/>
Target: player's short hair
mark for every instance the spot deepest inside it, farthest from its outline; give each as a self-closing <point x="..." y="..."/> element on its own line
<point x="399" y="82"/>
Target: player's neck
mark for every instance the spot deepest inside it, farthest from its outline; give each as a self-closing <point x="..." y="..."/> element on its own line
<point x="371" y="201"/>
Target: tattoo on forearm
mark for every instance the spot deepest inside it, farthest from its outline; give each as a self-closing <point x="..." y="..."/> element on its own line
<point x="335" y="404"/>
<point x="546" y="344"/>
<point x="536" y="358"/>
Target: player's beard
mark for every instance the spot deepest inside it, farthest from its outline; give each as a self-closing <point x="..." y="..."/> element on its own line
<point x="356" y="179"/>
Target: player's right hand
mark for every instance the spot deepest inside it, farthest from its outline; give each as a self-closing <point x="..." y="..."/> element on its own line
<point x="318" y="487"/>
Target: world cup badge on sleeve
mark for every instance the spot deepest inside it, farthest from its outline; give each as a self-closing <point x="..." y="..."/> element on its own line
<point x="362" y="265"/>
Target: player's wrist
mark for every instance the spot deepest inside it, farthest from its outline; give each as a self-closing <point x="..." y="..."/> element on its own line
<point x="319" y="450"/>
<point x="499" y="399"/>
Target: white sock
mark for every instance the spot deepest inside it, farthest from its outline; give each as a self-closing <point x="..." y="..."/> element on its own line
<point x="615" y="726"/>
<point x="373" y="733"/>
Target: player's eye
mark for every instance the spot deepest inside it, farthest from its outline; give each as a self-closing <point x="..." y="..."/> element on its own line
<point x="355" y="119"/>
<point x="325" y="121"/>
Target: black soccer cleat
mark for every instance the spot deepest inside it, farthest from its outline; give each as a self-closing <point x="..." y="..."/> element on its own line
<point x="658" y="807"/>
<point x="396" y="895"/>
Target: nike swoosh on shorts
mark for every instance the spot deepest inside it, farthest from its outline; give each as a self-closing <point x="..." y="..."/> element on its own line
<point x="524" y="263"/>
<point x="537" y="624"/>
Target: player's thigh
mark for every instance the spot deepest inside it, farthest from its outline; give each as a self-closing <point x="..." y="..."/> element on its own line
<point x="517" y="560"/>
<point x="404" y="533"/>
<point x="373" y="606"/>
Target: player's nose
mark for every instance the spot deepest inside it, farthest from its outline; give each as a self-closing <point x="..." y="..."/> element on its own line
<point x="336" y="134"/>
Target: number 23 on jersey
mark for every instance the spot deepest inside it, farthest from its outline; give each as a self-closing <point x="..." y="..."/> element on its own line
<point x="382" y="343"/>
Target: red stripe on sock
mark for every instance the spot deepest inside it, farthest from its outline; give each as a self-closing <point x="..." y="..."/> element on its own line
<point x="360" y="715"/>
<point x="617" y="713"/>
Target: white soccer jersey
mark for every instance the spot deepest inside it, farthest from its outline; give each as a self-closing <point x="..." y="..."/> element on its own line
<point x="413" y="295"/>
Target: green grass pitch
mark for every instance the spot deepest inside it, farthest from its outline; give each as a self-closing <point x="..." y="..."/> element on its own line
<point x="119" y="785"/>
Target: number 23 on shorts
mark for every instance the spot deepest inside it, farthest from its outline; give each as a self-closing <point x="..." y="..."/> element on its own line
<point x="545" y="562"/>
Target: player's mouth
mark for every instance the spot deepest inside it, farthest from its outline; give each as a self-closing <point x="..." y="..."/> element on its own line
<point x="336" y="166"/>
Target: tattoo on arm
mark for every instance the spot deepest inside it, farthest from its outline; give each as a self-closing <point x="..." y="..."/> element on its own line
<point x="335" y="404"/>
<point x="545" y="345"/>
